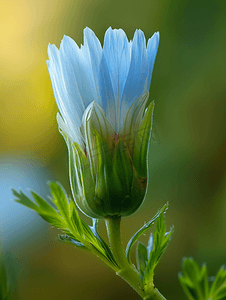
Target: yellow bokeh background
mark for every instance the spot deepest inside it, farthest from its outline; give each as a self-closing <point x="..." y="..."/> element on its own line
<point x="187" y="167"/>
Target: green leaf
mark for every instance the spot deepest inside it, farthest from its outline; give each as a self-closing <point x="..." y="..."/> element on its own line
<point x="60" y="199"/>
<point x="77" y="232"/>
<point x="142" y="230"/>
<point x="23" y="199"/>
<point x="47" y="212"/>
<point x="3" y="279"/>
<point x="67" y="221"/>
<point x="5" y="292"/>
<point x="104" y="246"/>
<point x="74" y="221"/>
<point x="71" y="241"/>
<point x="218" y="289"/>
<point x="194" y="280"/>
<point x="142" y="258"/>
<point x="157" y="245"/>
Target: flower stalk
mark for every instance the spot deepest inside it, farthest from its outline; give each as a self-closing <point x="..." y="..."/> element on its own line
<point x="127" y="271"/>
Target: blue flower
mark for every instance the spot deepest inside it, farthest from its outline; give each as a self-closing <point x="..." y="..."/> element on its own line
<point x="101" y="94"/>
<point x="114" y="76"/>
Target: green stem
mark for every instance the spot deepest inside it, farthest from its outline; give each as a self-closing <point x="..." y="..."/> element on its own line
<point x="127" y="271"/>
<point x="156" y="295"/>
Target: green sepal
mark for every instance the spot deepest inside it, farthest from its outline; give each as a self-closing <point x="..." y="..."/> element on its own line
<point x="142" y="230"/>
<point x="81" y="178"/>
<point x="82" y="183"/>
<point x="122" y="167"/>
<point x="137" y="196"/>
<point x="114" y="178"/>
<point x="133" y="119"/>
<point x="142" y="140"/>
<point x="108" y="188"/>
<point x="94" y="121"/>
<point x="131" y="191"/>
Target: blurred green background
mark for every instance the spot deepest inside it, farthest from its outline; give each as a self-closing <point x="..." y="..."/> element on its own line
<point x="187" y="168"/>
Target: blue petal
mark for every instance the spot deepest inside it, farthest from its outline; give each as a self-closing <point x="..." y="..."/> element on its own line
<point x="101" y="75"/>
<point x="152" y="49"/>
<point x="64" y="100"/>
<point x="117" y="52"/>
<point x="79" y="73"/>
<point x="106" y="93"/>
<point x="93" y="52"/>
<point x="136" y="83"/>
<point x="114" y="76"/>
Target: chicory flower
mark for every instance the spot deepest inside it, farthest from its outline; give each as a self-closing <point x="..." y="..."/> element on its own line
<point x="101" y="94"/>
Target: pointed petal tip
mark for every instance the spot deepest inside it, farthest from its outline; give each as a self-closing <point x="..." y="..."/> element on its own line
<point x="90" y="38"/>
<point x="153" y="42"/>
<point x="49" y="47"/>
<point x="51" y="50"/>
<point x="157" y="34"/>
<point x="109" y="30"/>
<point x="87" y="30"/>
<point x="65" y="39"/>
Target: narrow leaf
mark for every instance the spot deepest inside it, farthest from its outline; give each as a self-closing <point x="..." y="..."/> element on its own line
<point x="142" y="258"/>
<point x="71" y="241"/>
<point x="5" y="284"/>
<point x="157" y="245"/>
<point x="23" y="199"/>
<point x="60" y="199"/>
<point x="218" y="289"/>
<point x="194" y="280"/>
<point x="75" y="221"/>
<point x="142" y="230"/>
<point x="46" y="211"/>
<point x="104" y="246"/>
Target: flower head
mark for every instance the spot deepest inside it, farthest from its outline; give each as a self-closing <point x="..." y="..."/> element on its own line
<point x="101" y="94"/>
